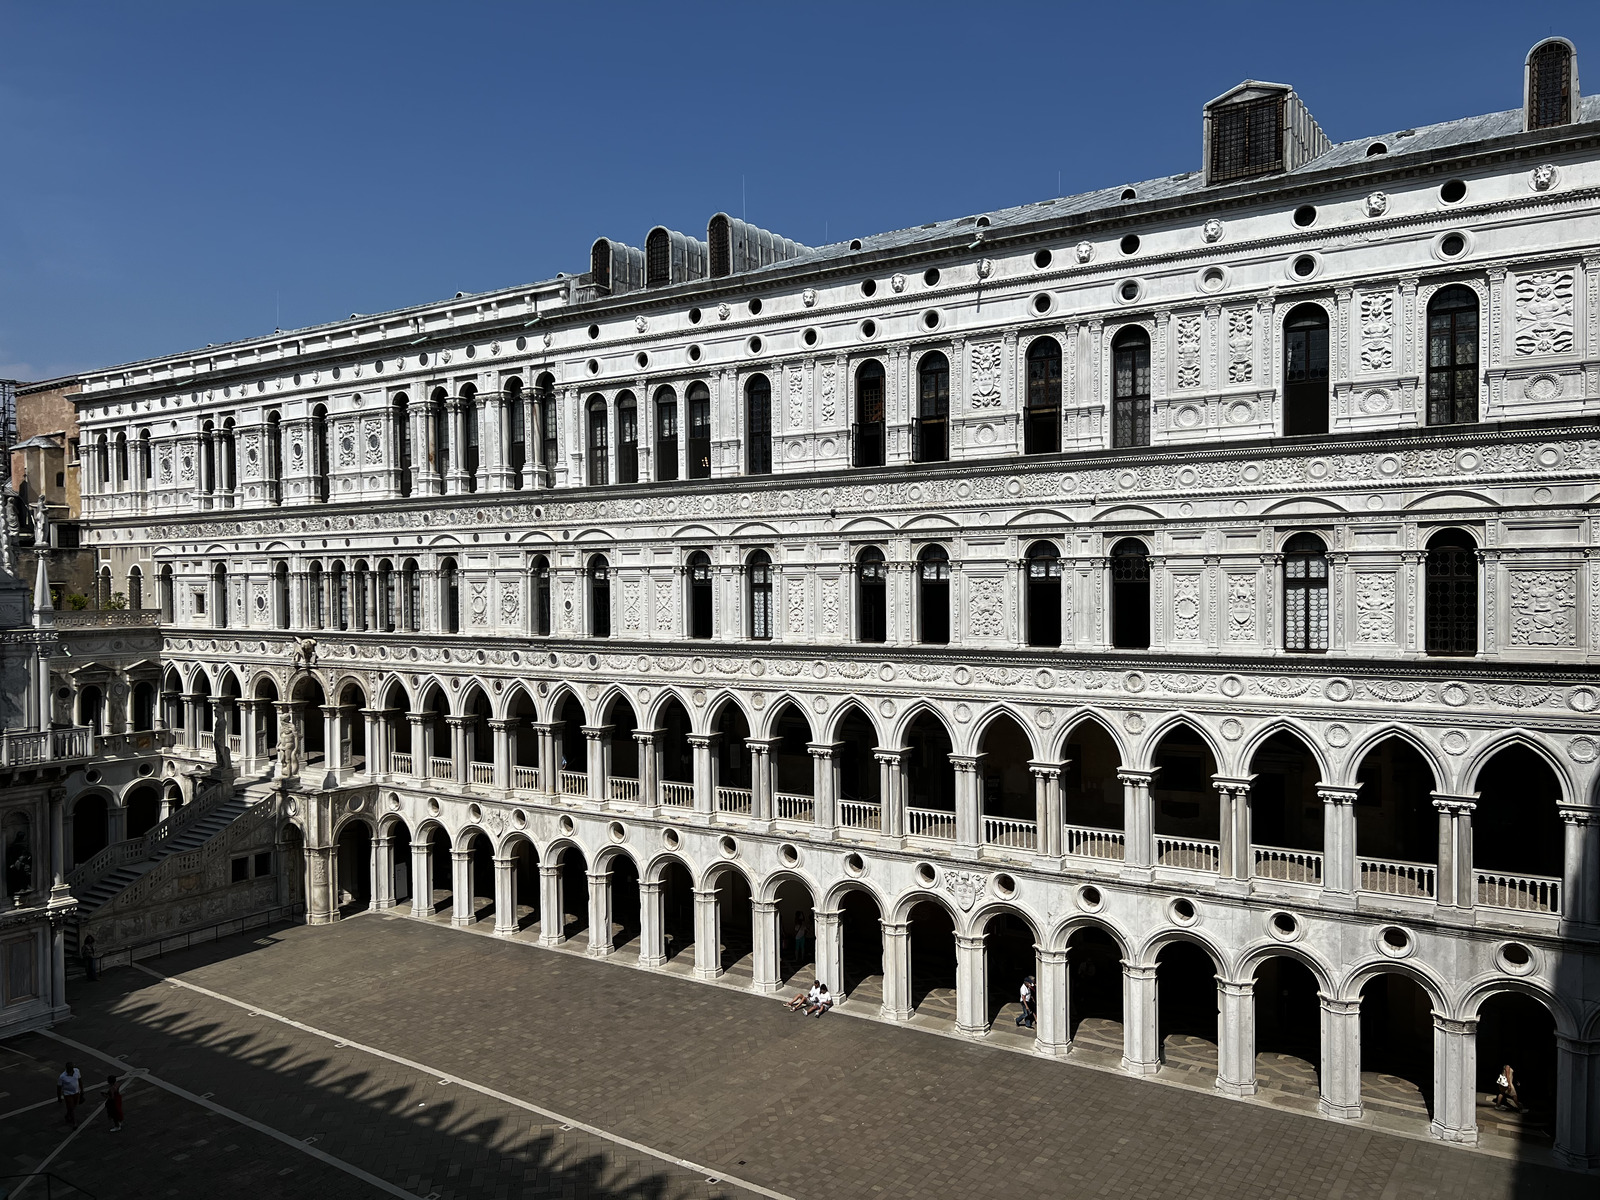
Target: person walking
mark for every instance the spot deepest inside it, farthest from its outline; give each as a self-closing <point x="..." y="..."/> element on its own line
<point x="86" y="953"/>
<point x="114" y="1103"/>
<point x="1505" y="1089"/>
<point x="1026" y="1017"/>
<point x="69" y="1091"/>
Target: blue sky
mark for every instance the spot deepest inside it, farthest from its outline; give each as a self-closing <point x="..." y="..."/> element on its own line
<point x="178" y="174"/>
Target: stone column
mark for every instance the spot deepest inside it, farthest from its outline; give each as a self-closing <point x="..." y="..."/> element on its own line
<point x="1141" y="1030"/>
<point x="1233" y="802"/>
<point x="459" y="767"/>
<point x="502" y="727"/>
<point x="1236" y="1037"/>
<point x="972" y="990"/>
<point x="1341" y="1058"/>
<point x="891" y="790"/>
<point x="1338" y="841"/>
<point x="765" y="945"/>
<point x="1138" y="820"/>
<point x="1577" y="1102"/>
<point x="461" y="887"/>
<point x="1456" y="887"/>
<point x="649" y="742"/>
<point x="320" y="908"/>
<point x="422" y="878"/>
<point x="827" y="928"/>
<point x="552" y="910"/>
<point x="597" y="752"/>
<point x="382" y="872"/>
<point x="600" y="944"/>
<point x="333" y="743"/>
<point x="762" y="806"/>
<point x="1047" y="807"/>
<point x="969" y="803"/>
<point x="1580" y="888"/>
<point x="421" y="742"/>
<point x="896" y="970"/>
<point x="707" y="934"/>
<point x="456" y="483"/>
<point x="549" y="761"/>
<point x="705" y="771"/>
<point x="825" y="787"/>
<point x="58" y="842"/>
<point x="652" y="932"/>
<point x="1053" y="1001"/>
<point x="1455" y="1084"/>
<point x="505" y="895"/>
<point x="377" y="754"/>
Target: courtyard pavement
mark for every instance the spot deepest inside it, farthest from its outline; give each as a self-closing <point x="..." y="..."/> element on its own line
<point x="387" y="1056"/>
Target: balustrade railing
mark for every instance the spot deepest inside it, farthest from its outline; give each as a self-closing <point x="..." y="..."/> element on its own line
<point x="1003" y="831"/>
<point x="1191" y="854"/>
<point x="574" y="783"/>
<point x="1522" y="893"/>
<point x="235" y="744"/>
<point x="1291" y="866"/>
<point x="1088" y="842"/>
<point x="399" y="762"/>
<point x="677" y="795"/>
<point x="525" y="778"/>
<point x="735" y="800"/>
<point x="133" y="741"/>
<point x="140" y="848"/>
<point x="481" y="772"/>
<point x="28" y="747"/>
<point x="623" y="788"/>
<point x="857" y="814"/>
<point x="801" y="810"/>
<point x="931" y="823"/>
<point x="441" y="768"/>
<point x="1397" y="878"/>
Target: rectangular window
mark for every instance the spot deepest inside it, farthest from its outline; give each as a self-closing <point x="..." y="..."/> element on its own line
<point x="239" y="870"/>
<point x="264" y="863"/>
<point x="700" y="437"/>
<point x="1246" y="138"/>
<point x="199" y="602"/>
<point x="666" y="439"/>
<point x="628" y="445"/>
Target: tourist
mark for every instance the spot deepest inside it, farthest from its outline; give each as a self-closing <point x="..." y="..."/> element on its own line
<point x="114" y="1103"/>
<point x="1026" y="1017"/>
<point x="805" y="999"/>
<point x="86" y="952"/>
<point x="822" y="1003"/>
<point x="69" y="1091"/>
<point x="1505" y="1089"/>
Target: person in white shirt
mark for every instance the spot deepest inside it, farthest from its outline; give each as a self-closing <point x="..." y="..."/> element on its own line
<point x="1027" y="1016"/>
<point x="822" y="1003"/>
<point x="69" y="1091"/>
<point x="805" y="999"/>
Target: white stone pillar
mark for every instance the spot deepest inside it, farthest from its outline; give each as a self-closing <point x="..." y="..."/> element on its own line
<point x="1455" y="1084"/>
<point x="649" y="743"/>
<point x="896" y="970"/>
<point x="552" y="908"/>
<point x="762" y="806"/>
<point x="597" y="746"/>
<point x="421" y="878"/>
<point x="600" y="943"/>
<point x="705" y="773"/>
<point x="891" y="790"/>
<point x="825" y="787"/>
<point x="969" y="803"/>
<point x="765" y="944"/>
<point x="1141" y="1029"/>
<point x="828" y="931"/>
<point x="382" y="873"/>
<point x="1338" y="842"/>
<point x="1233" y="804"/>
<point x="1236" y="1037"/>
<point x="1053" y="1002"/>
<point x="461" y="887"/>
<point x="972" y="985"/>
<point x="1577" y="1141"/>
<point x="459" y="766"/>
<point x="1457" y="887"/>
<point x="1138" y="820"/>
<point x="707" y="934"/>
<point x="502" y="728"/>
<point x="1047" y="807"/>
<point x="652" y="931"/>
<point x="1341" y="1058"/>
<point x="320" y="908"/>
<point x="1580" y="888"/>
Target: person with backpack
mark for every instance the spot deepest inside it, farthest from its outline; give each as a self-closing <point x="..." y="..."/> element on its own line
<point x="1027" y="1017"/>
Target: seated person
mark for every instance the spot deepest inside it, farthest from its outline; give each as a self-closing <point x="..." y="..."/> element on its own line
<point x="822" y="1003"/>
<point x="805" y="999"/>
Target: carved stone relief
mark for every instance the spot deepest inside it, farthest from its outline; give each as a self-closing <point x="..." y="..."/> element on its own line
<point x="1241" y="607"/>
<point x="986" y="375"/>
<point x="1189" y="352"/>
<point x="984" y="607"/>
<point x="1186" y="608"/>
<point x="1374" y="608"/>
<point x="1544" y="608"/>
<point x="1377" y="331"/>
<point x="1544" y="313"/>
<point x="1241" y="345"/>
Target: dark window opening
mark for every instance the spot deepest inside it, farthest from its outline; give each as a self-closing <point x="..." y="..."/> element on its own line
<point x="872" y="601"/>
<point x="1044" y="595"/>
<point x="933" y="600"/>
<point x="666" y="458"/>
<point x="627" y="439"/>
<point x="699" y="431"/>
<point x="1550" y="86"/>
<point x="868" y="442"/>
<point x="1130" y="595"/>
<point x="1452" y="594"/>
<point x="758" y="426"/>
<point x="933" y="409"/>
<point x="599" y="462"/>
<point x="599" y="597"/>
<point x="541" y="596"/>
<point x="1453" y="357"/>
<point x="700" y="592"/>
<point x="758" y="576"/>
<point x="1305" y="593"/>
<point x="1305" y="371"/>
<point x="1130" y="388"/>
<point x="1246" y="138"/>
<point x="1042" y="434"/>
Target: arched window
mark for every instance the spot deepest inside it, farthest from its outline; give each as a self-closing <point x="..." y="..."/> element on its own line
<point x="758" y="579"/>
<point x="384" y="597"/>
<point x="517" y="428"/>
<point x="1043" y="565"/>
<point x="758" y="425"/>
<point x="401" y="415"/>
<point x="274" y="456"/>
<point x="103" y="588"/>
<point x="135" y="588"/>
<point x="1130" y="595"/>
<point x="666" y="460"/>
<point x="319" y="453"/>
<point x="102" y="459"/>
<point x="872" y="600"/>
<point x="1042" y="434"/>
<point x="144" y="456"/>
<point x="208" y="458"/>
<point x="868" y="442"/>
<point x="122" y="460"/>
<point x="701" y="620"/>
<point x="469" y="437"/>
<point x="599" y="456"/>
<point x="449" y="597"/>
<point x="360" y="596"/>
<point x="1453" y="356"/>
<point x="627" y="438"/>
<point x="1550" y="84"/>
<point x="699" y="397"/>
<point x="545" y="397"/>
<point x="933" y="408"/>
<point x="439" y="432"/>
<point x="541" y="596"/>
<point x="933" y="595"/>
<point x="315" y="593"/>
<point x="1130" y="388"/>
<point x="599" y="597"/>
<point x="1305" y="593"/>
<point x="1305" y="370"/>
<point x="230" y="462"/>
<point x="219" y="596"/>
<point x="410" y="596"/>
<point x="339" y="590"/>
<point x="1452" y="594"/>
<point x="280" y="595"/>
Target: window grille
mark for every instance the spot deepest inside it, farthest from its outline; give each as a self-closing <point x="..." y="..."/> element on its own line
<point x="1246" y="138"/>
<point x="760" y="580"/>
<point x="1453" y="357"/>
<point x="1451" y="608"/>
<point x="1305" y="594"/>
<point x="1549" y="86"/>
<point x="1130" y="389"/>
<point x="758" y="426"/>
<point x="627" y="440"/>
<point x="599" y="465"/>
<point x="1042" y="434"/>
<point x="666" y="435"/>
<point x="599" y="597"/>
<point x="1305" y="371"/>
<point x="871" y="593"/>
<point x="867" y="443"/>
<point x="933" y="409"/>
<point x="699" y="432"/>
